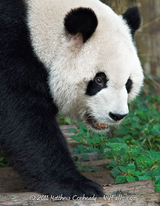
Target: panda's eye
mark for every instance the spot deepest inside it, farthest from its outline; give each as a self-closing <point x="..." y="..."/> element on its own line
<point x="129" y="85"/>
<point x="99" y="81"/>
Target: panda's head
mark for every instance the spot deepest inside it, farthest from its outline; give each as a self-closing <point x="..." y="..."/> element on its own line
<point x="94" y="70"/>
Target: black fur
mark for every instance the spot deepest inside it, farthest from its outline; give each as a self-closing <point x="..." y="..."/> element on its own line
<point x="29" y="133"/>
<point x="93" y="88"/>
<point x="81" y="20"/>
<point x="132" y="16"/>
<point x="129" y="85"/>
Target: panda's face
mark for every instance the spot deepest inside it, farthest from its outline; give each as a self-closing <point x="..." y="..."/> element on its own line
<point x="94" y="70"/>
<point x="116" y="81"/>
<point x="95" y="83"/>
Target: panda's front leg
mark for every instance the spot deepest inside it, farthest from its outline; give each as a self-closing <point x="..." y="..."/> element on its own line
<point x="36" y="148"/>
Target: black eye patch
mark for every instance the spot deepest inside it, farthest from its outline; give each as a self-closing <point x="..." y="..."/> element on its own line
<point x="129" y="85"/>
<point x="97" y="84"/>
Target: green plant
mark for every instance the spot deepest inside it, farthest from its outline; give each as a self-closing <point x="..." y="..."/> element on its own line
<point x="143" y="122"/>
<point x="91" y="142"/>
<point x="63" y="120"/>
<point x="3" y="162"/>
<point x="131" y="162"/>
<point x="134" y="147"/>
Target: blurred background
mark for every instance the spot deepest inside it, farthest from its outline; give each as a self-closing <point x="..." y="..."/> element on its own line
<point x="148" y="36"/>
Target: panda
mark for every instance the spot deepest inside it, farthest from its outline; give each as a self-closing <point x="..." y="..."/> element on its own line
<point x="77" y="57"/>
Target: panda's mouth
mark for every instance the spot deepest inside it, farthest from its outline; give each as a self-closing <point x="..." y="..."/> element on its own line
<point x="95" y="124"/>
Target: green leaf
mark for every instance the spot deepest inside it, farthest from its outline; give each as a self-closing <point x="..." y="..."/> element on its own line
<point x="1" y="159"/>
<point x="148" y="173"/>
<point x="2" y="164"/>
<point x="79" y="166"/>
<point x="89" y="169"/>
<point x="149" y="161"/>
<point x="117" y="140"/>
<point x="157" y="188"/>
<point x="123" y="169"/>
<point x="130" y="178"/>
<point x="76" y="138"/>
<point x="157" y="179"/>
<point x="112" y="163"/>
<point x="155" y="128"/>
<point x="136" y="173"/>
<point x="144" y="177"/>
<point x="90" y="150"/>
<point x="135" y="119"/>
<point x="89" y="141"/>
<point x="156" y="172"/>
<point x="153" y="154"/>
<point x="85" y="156"/>
<point x="117" y="145"/>
<point x="127" y="137"/>
<point x="72" y="130"/>
<point x="115" y="171"/>
<point x="142" y="114"/>
<point x="96" y="139"/>
<point x="129" y="171"/>
<point x="81" y="131"/>
<point x="120" y="179"/>
<point x="67" y="120"/>
<point x="121" y="131"/>
<point x="81" y="147"/>
<point x="131" y="166"/>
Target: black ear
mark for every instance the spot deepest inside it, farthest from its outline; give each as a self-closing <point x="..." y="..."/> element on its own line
<point x="132" y="16"/>
<point x="81" y="20"/>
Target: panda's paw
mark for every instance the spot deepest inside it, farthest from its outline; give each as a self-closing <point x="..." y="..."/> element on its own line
<point x="89" y="188"/>
<point x="81" y="187"/>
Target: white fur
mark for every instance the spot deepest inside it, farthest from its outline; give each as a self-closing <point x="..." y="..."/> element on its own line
<point x="72" y="64"/>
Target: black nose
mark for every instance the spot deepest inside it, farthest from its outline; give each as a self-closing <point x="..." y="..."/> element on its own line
<point x="117" y="117"/>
